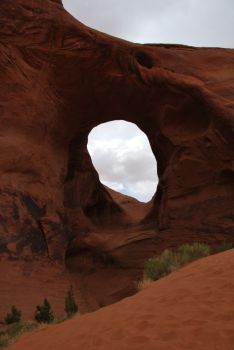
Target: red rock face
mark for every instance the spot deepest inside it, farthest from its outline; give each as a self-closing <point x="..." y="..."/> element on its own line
<point x="59" y="79"/>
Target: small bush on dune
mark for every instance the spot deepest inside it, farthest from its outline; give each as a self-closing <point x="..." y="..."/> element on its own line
<point x="188" y="253"/>
<point x="160" y="266"/>
<point x="14" y="316"/>
<point x="11" y="333"/>
<point x="70" y="305"/>
<point x="169" y="261"/>
<point x="43" y="313"/>
<point x="143" y="284"/>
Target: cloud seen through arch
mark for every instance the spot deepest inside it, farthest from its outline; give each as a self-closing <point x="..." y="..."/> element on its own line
<point x="122" y="155"/>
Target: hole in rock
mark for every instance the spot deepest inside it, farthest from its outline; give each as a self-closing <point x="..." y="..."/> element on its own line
<point x="123" y="158"/>
<point x="144" y="60"/>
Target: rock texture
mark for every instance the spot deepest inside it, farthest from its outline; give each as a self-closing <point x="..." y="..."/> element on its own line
<point x="58" y="80"/>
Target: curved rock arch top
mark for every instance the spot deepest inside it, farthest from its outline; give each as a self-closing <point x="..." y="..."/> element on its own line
<point x="59" y="79"/>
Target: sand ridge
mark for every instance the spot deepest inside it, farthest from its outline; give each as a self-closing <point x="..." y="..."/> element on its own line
<point x="191" y="309"/>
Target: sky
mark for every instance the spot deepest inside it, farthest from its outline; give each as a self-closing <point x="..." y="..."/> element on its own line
<point x="122" y="155"/>
<point x="123" y="161"/>
<point x="191" y="22"/>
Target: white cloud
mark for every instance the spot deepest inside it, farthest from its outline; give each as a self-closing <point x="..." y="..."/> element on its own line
<point x="191" y="22"/>
<point x="122" y="155"/>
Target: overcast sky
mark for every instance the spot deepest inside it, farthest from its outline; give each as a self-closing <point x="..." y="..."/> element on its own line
<point x="191" y="22"/>
<point x="122" y="155"/>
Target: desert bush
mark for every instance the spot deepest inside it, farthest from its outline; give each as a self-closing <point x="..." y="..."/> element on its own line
<point x="169" y="261"/>
<point x="43" y="313"/>
<point x="14" y="316"/>
<point x="11" y="333"/>
<point x="224" y="246"/>
<point x="70" y="305"/>
<point x="188" y="253"/>
<point x="160" y="266"/>
<point x="143" y="284"/>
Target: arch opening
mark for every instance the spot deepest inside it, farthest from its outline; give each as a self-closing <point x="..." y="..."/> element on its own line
<point x="122" y="156"/>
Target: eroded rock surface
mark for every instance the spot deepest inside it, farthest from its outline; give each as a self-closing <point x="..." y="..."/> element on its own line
<point x="59" y="79"/>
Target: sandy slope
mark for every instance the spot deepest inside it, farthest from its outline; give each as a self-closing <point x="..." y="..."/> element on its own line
<point x="191" y="309"/>
<point x="135" y="209"/>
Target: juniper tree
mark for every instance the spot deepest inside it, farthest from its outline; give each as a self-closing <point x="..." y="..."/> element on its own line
<point x="43" y="313"/>
<point x="14" y="316"/>
<point x="70" y="305"/>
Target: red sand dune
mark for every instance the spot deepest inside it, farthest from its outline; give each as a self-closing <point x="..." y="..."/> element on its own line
<point x="190" y="309"/>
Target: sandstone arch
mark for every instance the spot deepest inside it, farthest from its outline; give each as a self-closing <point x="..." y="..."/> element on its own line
<point x="59" y="79"/>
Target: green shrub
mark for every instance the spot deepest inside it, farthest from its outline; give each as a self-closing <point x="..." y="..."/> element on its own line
<point x="143" y="284"/>
<point x="43" y="313"/>
<point x="161" y="265"/>
<point x="187" y="252"/>
<point x="169" y="261"/>
<point x="14" y="316"/>
<point x="224" y="246"/>
<point x="70" y="305"/>
<point x="11" y="333"/>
